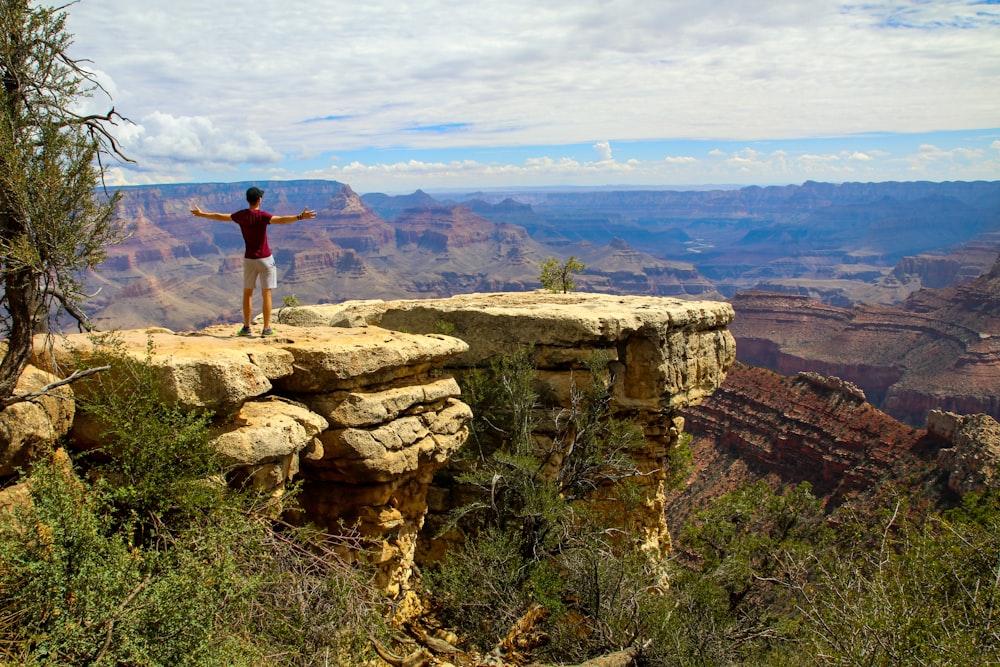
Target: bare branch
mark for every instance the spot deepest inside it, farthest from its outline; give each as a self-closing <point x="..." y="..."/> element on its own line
<point x="111" y="621"/>
<point x="71" y="308"/>
<point x="78" y="375"/>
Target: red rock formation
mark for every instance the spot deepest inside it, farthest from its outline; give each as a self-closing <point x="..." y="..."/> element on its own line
<point x="939" y="349"/>
<point x="762" y="425"/>
<point x="441" y="228"/>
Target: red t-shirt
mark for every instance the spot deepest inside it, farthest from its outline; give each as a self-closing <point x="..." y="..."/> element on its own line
<point x="253" y="223"/>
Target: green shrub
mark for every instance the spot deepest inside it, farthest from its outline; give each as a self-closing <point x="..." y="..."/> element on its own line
<point x="737" y="564"/>
<point x="927" y="593"/>
<point x="157" y="563"/>
<point x="534" y="534"/>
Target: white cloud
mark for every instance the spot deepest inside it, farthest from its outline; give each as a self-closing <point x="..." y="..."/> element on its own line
<point x="931" y="153"/>
<point x="432" y="77"/>
<point x="603" y="149"/>
<point x="523" y="72"/>
<point x="162" y="138"/>
<point x="807" y="158"/>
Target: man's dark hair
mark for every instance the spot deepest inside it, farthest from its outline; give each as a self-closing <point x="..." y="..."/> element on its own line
<point x="254" y="194"/>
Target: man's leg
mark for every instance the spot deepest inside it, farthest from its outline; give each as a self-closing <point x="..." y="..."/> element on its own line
<point x="266" y="294"/>
<point x="247" y="298"/>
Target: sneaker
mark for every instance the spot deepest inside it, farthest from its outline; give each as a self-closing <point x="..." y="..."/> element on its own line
<point x="267" y="332"/>
<point x="244" y="331"/>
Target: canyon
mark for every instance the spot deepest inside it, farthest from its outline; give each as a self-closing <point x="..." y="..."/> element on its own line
<point x="889" y="286"/>
<point x="938" y="349"/>
<point x="357" y="402"/>
<point x="839" y="244"/>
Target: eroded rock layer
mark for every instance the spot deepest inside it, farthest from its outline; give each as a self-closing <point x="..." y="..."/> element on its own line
<point x="807" y="427"/>
<point x="358" y="414"/>
<point x="940" y="349"/>
<point x="364" y="415"/>
<point x="665" y="355"/>
<point x="761" y="425"/>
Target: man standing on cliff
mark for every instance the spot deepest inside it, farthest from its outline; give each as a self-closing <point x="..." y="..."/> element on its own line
<point x="258" y="264"/>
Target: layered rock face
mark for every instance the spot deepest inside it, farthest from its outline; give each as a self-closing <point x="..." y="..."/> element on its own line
<point x="807" y="427"/>
<point x="761" y="425"/>
<point x="364" y="416"/>
<point x="184" y="272"/>
<point x="665" y="354"/>
<point x="939" y="349"/>
<point x="971" y="457"/>
<point x="360" y="415"/>
<point x="29" y="427"/>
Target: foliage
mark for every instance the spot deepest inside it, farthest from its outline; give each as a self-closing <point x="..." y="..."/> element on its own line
<point x="444" y="327"/>
<point x="155" y="458"/>
<point x="927" y="595"/>
<point x="733" y="595"/>
<point x="289" y="303"/>
<point x="504" y="402"/>
<point x="52" y="226"/>
<point x="557" y="276"/>
<point x="536" y="524"/>
<point x="112" y="571"/>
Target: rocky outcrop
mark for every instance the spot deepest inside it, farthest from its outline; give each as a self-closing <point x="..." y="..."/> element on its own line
<point x="28" y="428"/>
<point x="788" y="429"/>
<point x="441" y="228"/>
<point x="359" y="414"/>
<point x="971" y="457"/>
<point x="665" y="355"/>
<point x="364" y="415"/>
<point x="807" y="427"/>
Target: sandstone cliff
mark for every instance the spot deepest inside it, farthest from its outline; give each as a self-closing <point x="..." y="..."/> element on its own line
<point x="364" y="414"/>
<point x="359" y="412"/>
<point x="665" y="354"/>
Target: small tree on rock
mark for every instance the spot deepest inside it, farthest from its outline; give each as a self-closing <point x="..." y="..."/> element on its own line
<point x="558" y="277"/>
<point x="52" y="226"/>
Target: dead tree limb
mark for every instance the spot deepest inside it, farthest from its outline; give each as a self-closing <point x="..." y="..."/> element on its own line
<point x="78" y="375"/>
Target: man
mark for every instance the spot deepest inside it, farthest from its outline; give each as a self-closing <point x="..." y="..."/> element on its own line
<point x="258" y="264"/>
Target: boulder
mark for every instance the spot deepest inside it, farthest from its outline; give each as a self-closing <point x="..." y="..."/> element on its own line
<point x="972" y="461"/>
<point x="330" y="358"/>
<point x="211" y="370"/>
<point x="266" y="431"/>
<point x="369" y="408"/>
<point x="29" y="427"/>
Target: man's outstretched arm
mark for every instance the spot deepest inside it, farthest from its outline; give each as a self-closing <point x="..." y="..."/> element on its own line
<point x="221" y="217"/>
<point x="306" y="214"/>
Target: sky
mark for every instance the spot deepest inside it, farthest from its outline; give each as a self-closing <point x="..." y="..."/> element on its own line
<point x="446" y="95"/>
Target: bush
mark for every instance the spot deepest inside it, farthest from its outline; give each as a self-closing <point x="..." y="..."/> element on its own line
<point x="736" y="567"/>
<point x="534" y="527"/>
<point x="926" y="594"/>
<point x="154" y="563"/>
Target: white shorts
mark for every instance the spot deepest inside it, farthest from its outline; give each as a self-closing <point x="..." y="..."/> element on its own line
<point x="263" y="270"/>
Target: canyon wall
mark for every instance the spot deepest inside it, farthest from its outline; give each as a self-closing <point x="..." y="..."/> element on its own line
<point x="761" y="425"/>
<point x="938" y="350"/>
<point x="665" y="354"/>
